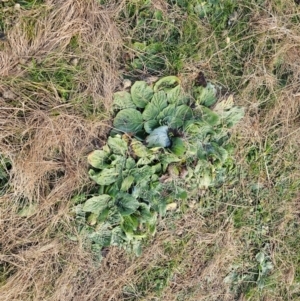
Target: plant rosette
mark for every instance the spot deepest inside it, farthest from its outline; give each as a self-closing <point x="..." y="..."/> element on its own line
<point x="165" y="146"/>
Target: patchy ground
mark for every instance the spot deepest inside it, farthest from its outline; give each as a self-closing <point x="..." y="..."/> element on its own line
<point x="61" y="61"/>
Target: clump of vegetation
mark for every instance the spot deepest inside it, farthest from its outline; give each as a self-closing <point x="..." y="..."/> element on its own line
<point x="165" y="147"/>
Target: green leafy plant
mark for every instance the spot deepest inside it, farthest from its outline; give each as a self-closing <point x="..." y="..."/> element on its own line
<point x="166" y="146"/>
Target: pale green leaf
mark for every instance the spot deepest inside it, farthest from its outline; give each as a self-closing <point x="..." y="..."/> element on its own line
<point x="177" y="96"/>
<point x="159" y="138"/>
<point x="127" y="182"/>
<point x="122" y="100"/>
<point x="117" y="145"/>
<point x="105" y="177"/>
<point x="141" y="94"/>
<point x="96" y="204"/>
<point x="129" y="121"/>
<point x="130" y="163"/>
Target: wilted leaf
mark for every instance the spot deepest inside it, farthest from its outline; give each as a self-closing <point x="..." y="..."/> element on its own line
<point x="166" y="82"/>
<point x="139" y="149"/>
<point x="97" y="159"/>
<point x="96" y="204"/>
<point x="129" y="121"/>
<point x="141" y="94"/>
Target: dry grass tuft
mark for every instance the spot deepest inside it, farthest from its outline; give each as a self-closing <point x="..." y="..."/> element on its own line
<point x="47" y="139"/>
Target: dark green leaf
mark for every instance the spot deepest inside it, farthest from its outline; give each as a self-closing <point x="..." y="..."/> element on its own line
<point x="157" y="104"/>
<point x="150" y="125"/>
<point x="178" y="146"/>
<point x="176" y="96"/>
<point x="126" y="204"/>
<point x="129" y="121"/>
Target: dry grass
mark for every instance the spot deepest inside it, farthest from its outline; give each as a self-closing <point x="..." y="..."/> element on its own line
<point x="47" y="138"/>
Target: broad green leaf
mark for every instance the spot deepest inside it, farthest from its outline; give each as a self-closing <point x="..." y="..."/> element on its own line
<point x="159" y="138"/>
<point x="139" y="149"/>
<point x="178" y="146"/>
<point x="206" y="96"/>
<point x="96" y="204"/>
<point x="157" y="104"/>
<point x="209" y="116"/>
<point x="117" y="145"/>
<point x="129" y="121"/>
<point x="145" y="214"/>
<point x="97" y="159"/>
<point x="167" y="114"/>
<point x="127" y="182"/>
<point x="122" y="100"/>
<point x="141" y="94"/>
<point x="177" y="96"/>
<point x="117" y="161"/>
<point x="143" y="174"/>
<point x="130" y="163"/>
<point x="126" y="204"/>
<point x="130" y="223"/>
<point x="166" y="82"/>
<point x="182" y="114"/>
<point x="150" y="125"/>
<point x="103" y="215"/>
<point x="105" y="177"/>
